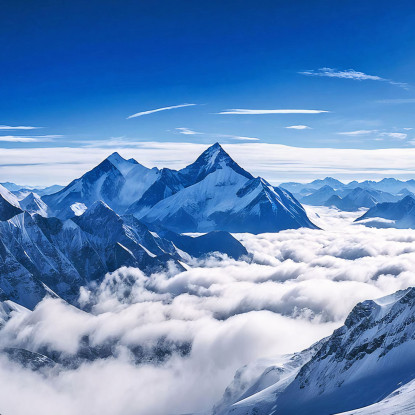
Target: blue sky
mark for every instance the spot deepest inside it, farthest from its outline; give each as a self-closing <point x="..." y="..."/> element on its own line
<point x="80" y="69"/>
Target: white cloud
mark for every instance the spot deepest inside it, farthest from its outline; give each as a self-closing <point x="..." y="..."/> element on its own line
<point x="32" y="139"/>
<point x="186" y="131"/>
<point x="299" y="127"/>
<point x="236" y="137"/>
<point x="139" y="114"/>
<point x="259" y="112"/>
<point x="19" y="127"/>
<point x="347" y="74"/>
<point x="300" y="286"/>
<point x="396" y="101"/>
<point x="399" y="136"/>
<point x="358" y="132"/>
<point x="350" y="74"/>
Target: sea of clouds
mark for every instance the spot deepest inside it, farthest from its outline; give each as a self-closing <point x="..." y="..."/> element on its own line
<point x="170" y="343"/>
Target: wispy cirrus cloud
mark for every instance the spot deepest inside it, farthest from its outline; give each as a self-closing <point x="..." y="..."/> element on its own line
<point x="396" y="101"/>
<point x="358" y="132"/>
<point x="187" y="131"/>
<point x="239" y="111"/>
<point x="236" y="137"/>
<point x="139" y="114"/>
<point x="398" y="135"/>
<point x="28" y="139"/>
<point x="350" y="74"/>
<point x="298" y="127"/>
<point x="18" y="127"/>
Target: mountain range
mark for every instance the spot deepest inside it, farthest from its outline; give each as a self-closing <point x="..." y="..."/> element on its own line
<point x="399" y="214"/>
<point x="351" y="196"/>
<point x="213" y="193"/>
<point x="123" y="214"/>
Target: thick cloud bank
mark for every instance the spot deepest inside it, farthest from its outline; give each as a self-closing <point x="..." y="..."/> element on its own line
<point x="170" y="343"/>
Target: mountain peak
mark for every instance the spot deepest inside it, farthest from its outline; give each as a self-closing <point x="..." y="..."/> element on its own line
<point x="123" y="165"/>
<point x="30" y="198"/>
<point x="7" y="210"/>
<point x="98" y="207"/>
<point x="212" y="159"/>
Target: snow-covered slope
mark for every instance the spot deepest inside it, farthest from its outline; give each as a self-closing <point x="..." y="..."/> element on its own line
<point x="8" y="196"/>
<point x="32" y="203"/>
<point x="361" y="363"/>
<point x="368" y="363"/>
<point x="399" y="214"/>
<point x="255" y="386"/>
<point x="399" y="402"/>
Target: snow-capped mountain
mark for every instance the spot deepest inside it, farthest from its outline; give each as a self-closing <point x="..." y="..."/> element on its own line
<point x="399" y="214"/>
<point x="296" y="188"/>
<point x="16" y="188"/>
<point x="360" y="198"/>
<point x="213" y="193"/>
<point x="320" y="196"/>
<point x="33" y="203"/>
<point x="226" y="197"/>
<point x="347" y="198"/>
<point x="115" y="181"/>
<point x="360" y="364"/>
<point x="41" y="255"/>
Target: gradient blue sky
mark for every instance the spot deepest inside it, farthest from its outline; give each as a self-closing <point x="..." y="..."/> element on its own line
<point x="79" y="69"/>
